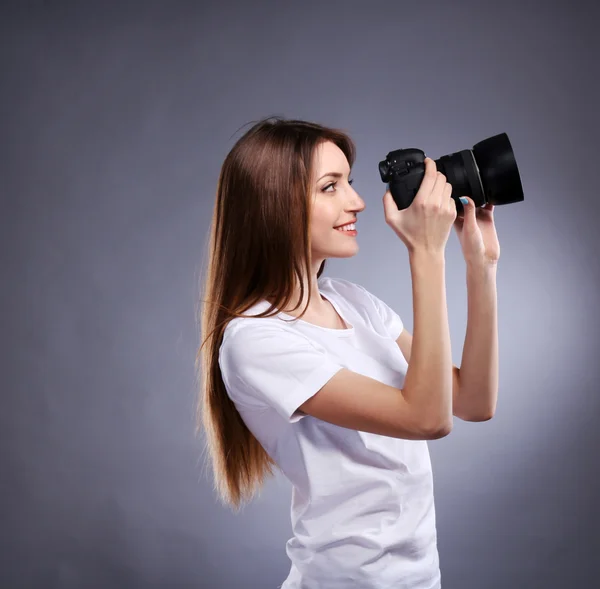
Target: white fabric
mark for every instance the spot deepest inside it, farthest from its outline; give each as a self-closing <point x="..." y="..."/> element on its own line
<point x="362" y="511"/>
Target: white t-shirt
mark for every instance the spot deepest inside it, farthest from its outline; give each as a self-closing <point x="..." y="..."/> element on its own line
<point x="362" y="511"/>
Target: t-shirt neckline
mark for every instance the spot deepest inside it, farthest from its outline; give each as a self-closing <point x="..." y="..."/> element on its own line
<point x="339" y="332"/>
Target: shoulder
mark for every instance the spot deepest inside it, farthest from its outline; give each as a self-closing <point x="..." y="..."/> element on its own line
<point x="250" y="323"/>
<point x="245" y="337"/>
<point x="265" y="356"/>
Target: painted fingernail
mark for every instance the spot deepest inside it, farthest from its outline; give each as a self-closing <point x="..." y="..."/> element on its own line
<point x="464" y="200"/>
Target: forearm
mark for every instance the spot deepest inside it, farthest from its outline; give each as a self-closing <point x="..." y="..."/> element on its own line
<point x="428" y="380"/>
<point x="478" y="388"/>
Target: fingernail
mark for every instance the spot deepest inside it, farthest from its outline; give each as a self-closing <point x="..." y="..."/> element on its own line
<point x="464" y="200"/>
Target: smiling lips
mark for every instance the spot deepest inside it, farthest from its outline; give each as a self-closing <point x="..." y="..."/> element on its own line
<point x="349" y="228"/>
<point x="348" y="223"/>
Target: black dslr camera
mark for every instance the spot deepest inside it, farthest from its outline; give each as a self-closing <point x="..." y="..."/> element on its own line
<point x="488" y="173"/>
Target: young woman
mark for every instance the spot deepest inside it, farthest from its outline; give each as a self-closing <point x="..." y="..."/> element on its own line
<point x="316" y="376"/>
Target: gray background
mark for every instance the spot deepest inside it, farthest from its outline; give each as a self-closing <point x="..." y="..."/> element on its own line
<point x="116" y="118"/>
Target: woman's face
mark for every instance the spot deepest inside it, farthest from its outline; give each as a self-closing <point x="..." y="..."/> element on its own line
<point x="334" y="202"/>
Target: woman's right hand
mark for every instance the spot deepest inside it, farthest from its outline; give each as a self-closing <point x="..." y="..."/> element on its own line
<point x="427" y="222"/>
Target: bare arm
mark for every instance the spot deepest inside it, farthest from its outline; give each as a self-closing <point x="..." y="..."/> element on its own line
<point x="478" y="393"/>
<point x="404" y="342"/>
<point x="422" y="409"/>
<point x="429" y="377"/>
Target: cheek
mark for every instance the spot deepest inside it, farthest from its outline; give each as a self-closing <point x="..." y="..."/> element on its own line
<point x="324" y="218"/>
<point x="325" y="214"/>
<point x="322" y="229"/>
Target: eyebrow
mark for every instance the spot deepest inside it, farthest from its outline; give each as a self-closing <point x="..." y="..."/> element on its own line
<point x="334" y="174"/>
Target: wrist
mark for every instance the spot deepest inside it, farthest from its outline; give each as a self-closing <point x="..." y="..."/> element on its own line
<point x="421" y="254"/>
<point x="482" y="266"/>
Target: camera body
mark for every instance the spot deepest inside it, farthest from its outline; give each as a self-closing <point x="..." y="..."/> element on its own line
<point x="487" y="173"/>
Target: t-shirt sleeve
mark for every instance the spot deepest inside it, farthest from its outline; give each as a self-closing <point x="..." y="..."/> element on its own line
<point x="391" y="319"/>
<point x="265" y="365"/>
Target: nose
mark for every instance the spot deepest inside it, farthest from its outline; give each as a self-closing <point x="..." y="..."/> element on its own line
<point x="358" y="202"/>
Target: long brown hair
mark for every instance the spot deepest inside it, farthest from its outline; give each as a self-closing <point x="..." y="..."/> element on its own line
<point x="259" y="248"/>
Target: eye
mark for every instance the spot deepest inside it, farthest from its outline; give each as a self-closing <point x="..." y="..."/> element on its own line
<point x="333" y="184"/>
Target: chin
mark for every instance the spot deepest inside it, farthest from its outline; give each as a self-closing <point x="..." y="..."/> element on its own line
<point x="342" y="252"/>
<point x="341" y="247"/>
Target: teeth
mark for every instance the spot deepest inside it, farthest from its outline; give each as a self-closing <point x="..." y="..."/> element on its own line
<point x="348" y="227"/>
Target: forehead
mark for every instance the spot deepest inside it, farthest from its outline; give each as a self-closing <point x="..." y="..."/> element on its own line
<point x="329" y="158"/>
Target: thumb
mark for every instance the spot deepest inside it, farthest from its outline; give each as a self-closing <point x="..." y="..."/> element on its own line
<point x="469" y="207"/>
<point x="390" y="207"/>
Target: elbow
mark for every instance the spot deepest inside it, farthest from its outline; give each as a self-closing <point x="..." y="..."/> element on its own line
<point x="470" y="413"/>
<point x="439" y="431"/>
<point x="478" y="416"/>
<point x="483" y="413"/>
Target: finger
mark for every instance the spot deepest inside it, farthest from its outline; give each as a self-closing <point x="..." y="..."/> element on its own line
<point x="451" y="201"/>
<point x="447" y="195"/>
<point x="428" y="181"/>
<point x="389" y="205"/>
<point x="439" y="189"/>
<point x="469" y="210"/>
<point x="447" y="191"/>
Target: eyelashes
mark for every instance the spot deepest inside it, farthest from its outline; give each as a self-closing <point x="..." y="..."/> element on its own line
<point x="324" y="189"/>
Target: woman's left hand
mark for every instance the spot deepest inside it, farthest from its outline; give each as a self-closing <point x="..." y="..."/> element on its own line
<point x="477" y="234"/>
